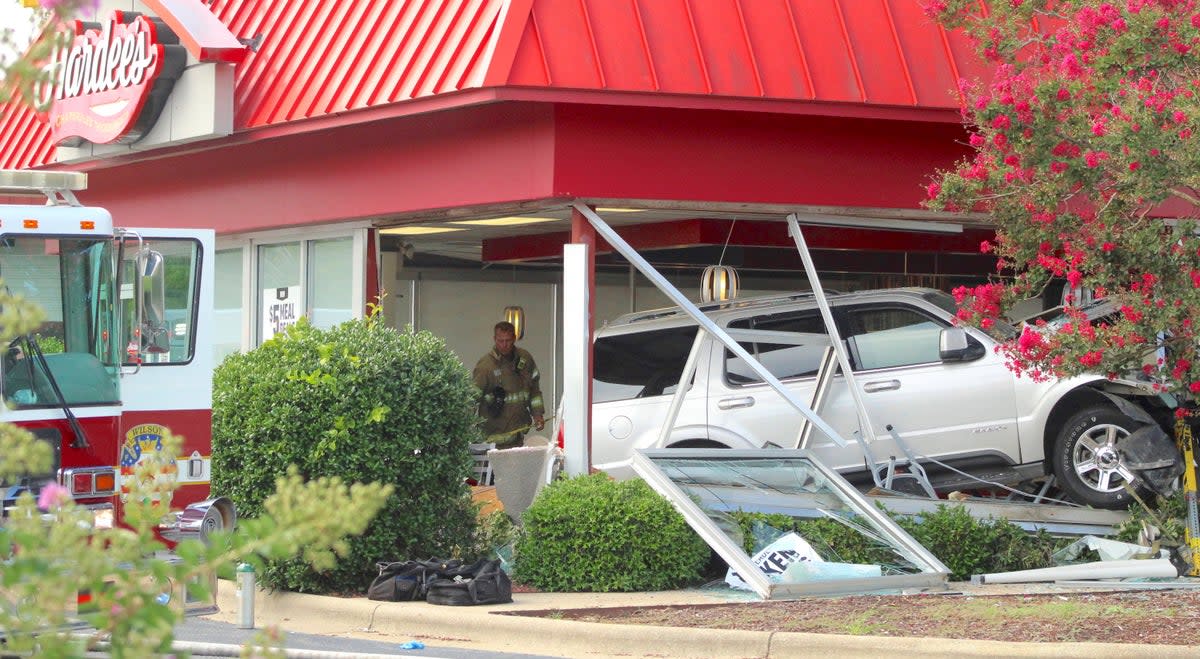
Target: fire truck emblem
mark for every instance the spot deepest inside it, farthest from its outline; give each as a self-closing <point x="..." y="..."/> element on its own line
<point x="144" y="443"/>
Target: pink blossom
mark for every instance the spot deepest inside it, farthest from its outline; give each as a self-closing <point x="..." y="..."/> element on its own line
<point x="53" y="496"/>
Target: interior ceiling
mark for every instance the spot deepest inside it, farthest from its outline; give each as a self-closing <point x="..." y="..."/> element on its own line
<point x="465" y="242"/>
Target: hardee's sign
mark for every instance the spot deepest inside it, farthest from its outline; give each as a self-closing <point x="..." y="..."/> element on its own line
<point x="111" y="83"/>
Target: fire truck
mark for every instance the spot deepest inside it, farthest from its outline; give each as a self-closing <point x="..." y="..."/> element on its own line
<point x="121" y="356"/>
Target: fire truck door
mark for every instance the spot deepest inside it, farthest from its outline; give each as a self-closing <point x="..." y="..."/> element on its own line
<point x="165" y="311"/>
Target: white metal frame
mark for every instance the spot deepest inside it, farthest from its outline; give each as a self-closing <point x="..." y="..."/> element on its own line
<point x="613" y="239"/>
<point x="934" y="574"/>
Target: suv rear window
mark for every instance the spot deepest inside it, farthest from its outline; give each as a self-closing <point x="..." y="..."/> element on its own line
<point x="640" y="364"/>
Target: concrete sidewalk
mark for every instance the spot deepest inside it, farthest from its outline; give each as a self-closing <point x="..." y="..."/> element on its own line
<point x="480" y="628"/>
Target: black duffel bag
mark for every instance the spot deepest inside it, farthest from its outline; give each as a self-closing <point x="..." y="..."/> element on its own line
<point x="405" y="581"/>
<point x="482" y="582"/>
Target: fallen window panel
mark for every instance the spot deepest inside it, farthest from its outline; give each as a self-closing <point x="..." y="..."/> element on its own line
<point x="701" y="482"/>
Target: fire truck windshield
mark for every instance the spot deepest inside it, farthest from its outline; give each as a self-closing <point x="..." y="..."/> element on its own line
<point x="71" y="281"/>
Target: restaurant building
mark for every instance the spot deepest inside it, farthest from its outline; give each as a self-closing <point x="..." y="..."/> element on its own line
<point x="430" y="150"/>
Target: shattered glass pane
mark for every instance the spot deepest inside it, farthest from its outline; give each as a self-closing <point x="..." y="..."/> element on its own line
<point x="833" y="534"/>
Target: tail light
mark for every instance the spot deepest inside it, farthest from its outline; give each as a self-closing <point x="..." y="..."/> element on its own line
<point x="561" y="437"/>
<point x="90" y="482"/>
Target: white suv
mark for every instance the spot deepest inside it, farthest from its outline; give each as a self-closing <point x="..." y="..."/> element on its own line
<point x="964" y="408"/>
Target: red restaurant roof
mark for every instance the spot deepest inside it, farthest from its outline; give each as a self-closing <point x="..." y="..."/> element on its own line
<point x="325" y="58"/>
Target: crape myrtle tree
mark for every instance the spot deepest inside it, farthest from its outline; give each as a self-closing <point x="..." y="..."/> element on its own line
<point x="1086" y="158"/>
<point x="25" y="50"/>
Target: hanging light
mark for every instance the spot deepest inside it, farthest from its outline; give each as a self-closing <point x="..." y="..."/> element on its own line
<point x="516" y="316"/>
<point x="718" y="283"/>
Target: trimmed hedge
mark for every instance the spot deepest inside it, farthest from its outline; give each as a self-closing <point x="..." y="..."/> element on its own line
<point x="590" y="533"/>
<point x="364" y="402"/>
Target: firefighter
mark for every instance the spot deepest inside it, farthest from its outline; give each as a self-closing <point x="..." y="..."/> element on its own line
<point x="510" y="400"/>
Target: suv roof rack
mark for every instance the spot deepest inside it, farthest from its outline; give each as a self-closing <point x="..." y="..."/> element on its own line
<point x="762" y="300"/>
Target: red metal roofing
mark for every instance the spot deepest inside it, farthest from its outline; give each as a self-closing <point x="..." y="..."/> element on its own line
<point x="879" y="52"/>
<point x="324" y="58"/>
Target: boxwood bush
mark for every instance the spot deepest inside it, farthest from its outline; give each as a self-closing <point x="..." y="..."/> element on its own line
<point x="590" y="533"/>
<point x="364" y="402"/>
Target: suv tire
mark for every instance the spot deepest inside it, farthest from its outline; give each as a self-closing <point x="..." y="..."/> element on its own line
<point x="1086" y="462"/>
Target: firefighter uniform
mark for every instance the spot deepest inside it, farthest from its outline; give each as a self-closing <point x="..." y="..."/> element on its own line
<point x="514" y="377"/>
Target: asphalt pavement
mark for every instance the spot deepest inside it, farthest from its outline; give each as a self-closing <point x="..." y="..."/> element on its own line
<point x="200" y="633"/>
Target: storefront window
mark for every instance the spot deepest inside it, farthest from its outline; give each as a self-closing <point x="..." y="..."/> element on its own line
<point x="228" y="314"/>
<point x="281" y="296"/>
<point x="330" y="280"/>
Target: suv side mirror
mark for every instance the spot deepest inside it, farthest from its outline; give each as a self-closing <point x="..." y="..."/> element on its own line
<point x="955" y="345"/>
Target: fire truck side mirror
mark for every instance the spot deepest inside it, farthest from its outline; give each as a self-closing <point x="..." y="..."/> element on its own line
<point x="153" y="324"/>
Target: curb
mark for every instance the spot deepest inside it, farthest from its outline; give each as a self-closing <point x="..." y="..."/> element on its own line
<point x="485" y="628"/>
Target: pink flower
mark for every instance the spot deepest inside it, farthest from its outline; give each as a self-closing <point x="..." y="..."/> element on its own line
<point x="1134" y="166"/>
<point x="932" y="190"/>
<point x="1194" y="387"/>
<point x="53" y="496"/>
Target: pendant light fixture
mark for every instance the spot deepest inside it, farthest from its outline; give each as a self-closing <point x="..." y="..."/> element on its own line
<point x="516" y="315"/>
<point x="719" y="282"/>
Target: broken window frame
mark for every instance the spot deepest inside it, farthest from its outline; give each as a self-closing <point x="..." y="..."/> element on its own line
<point x="933" y="575"/>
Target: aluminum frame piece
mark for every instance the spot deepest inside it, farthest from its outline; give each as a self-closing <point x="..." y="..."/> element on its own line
<point x="932" y="575"/>
<point x="706" y="324"/>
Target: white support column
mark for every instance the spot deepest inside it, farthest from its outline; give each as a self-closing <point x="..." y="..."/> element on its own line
<point x="576" y="335"/>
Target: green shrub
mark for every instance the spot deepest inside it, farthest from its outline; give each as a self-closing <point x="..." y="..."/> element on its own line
<point x="964" y="544"/>
<point x="363" y="402"/>
<point x="972" y="546"/>
<point x="1169" y="515"/>
<point x="591" y="533"/>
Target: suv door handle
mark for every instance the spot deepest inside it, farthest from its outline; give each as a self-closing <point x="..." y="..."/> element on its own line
<point x="881" y="385"/>
<point x="734" y="403"/>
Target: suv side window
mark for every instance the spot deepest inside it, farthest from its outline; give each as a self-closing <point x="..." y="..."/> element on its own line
<point x="640" y="364"/>
<point x="782" y="360"/>
<point x="890" y="336"/>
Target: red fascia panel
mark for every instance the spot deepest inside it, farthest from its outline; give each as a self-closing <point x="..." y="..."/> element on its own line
<point x="205" y="37"/>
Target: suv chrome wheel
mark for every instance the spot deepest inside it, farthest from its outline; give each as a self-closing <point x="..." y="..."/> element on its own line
<point x="1095" y="459"/>
<point x="1087" y="463"/>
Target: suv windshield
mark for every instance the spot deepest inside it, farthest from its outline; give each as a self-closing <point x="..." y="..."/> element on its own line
<point x="70" y="281"/>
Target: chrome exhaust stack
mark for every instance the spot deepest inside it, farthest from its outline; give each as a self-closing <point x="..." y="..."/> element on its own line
<point x="199" y="521"/>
